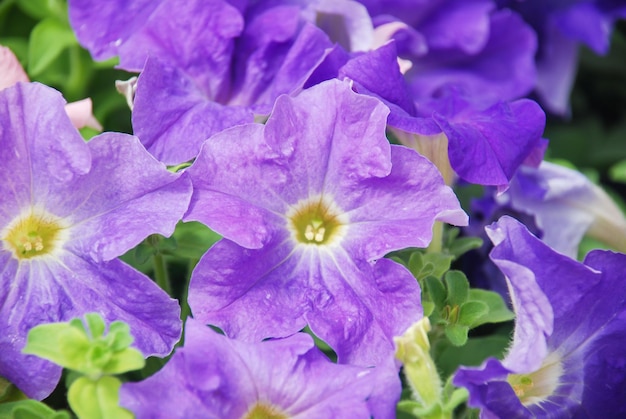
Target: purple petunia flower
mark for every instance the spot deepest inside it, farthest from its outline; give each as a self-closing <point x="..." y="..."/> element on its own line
<point x="561" y="27"/>
<point x="567" y="357"/>
<point x="69" y="208"/>
<point x="486" y="143"/>
<point x="307" y="204"/>
<point x="212" y="64"/>
<point x="566" y="206"/>
<point x="486" y="54"/>
<point x="213" y="376"/>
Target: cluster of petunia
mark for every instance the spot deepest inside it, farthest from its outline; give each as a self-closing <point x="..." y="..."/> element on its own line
<point x="279" y="114"/>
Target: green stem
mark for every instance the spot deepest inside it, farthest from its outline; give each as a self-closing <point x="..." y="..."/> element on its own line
<point x="436" y="244"/>
<point x="185" y="310"/>
<point x="160" y="273"/>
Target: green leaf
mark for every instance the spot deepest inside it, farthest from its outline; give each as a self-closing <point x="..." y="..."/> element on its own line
<point x="57" y="342"/>
<point x="9" y="392"/>
<point x="47" y="40"/>
<point x="97" y="399"/>
<point x="473" y="353"/>
<point x="29" y="409"/>
<point x="69" y="345"/>
<point x="436" y="291"/>
<point x="458" y="287"/>
<point x="41" y="9"/>
<point x="457" y="397"/>
<point x="457" y="334"/>
<point x="143" y="252"/>
<point x="119" y="336"/>
<point x="418" y="267"/>
<point x="74" y="346"/>
<point x="471" y="311"/>
<point x="498" y="311"/>
<point x="440" y="261"/>
<point x="193" y="240"/>
<point x="428" y="307"/>
<point x="463" y="245"/>
<point x="96" y="325"/>
<point x="617" y="172"/>
<point x="129" y="359"/>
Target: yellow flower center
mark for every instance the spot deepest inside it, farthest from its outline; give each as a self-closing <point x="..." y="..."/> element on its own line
<point x="537" y="386"/>
<point x="264" y="411"/>
<point x="316" y="221"/>
<point x="33" y="235"/>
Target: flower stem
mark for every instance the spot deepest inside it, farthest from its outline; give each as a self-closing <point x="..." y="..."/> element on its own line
<point x="436" y="244"/>
<point x="160" y="273"/>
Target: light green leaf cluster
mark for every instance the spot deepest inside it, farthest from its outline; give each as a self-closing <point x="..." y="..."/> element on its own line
<point x="84" y="348"/>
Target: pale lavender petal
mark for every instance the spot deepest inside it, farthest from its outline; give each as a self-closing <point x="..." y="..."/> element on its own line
<point x="109" y="218"/>
<point x="556" y="70"/>
<point x="173" y="116"/>
<point x="363" y="306"/>
<point x="44" y="291"/>
<point x="34" y="376"/>
<point x="253" y="294"/>
<point x="213" y="376"/>
<point x="391" y="213"/>
<point x="90" y="190"/>
<point x="503" y="70"/>
<point x="103" y="27"/>
<point x="33" y="163"/>
<point x="588" y="331"/>
<point x="458" y="24"/>
<point x="272" y="167"/>
<point x="498" y="139"/>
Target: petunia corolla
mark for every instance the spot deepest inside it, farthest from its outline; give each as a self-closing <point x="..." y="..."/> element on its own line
<point x="208" y="65"/>
<point x="308" y="205"/>
<point x="561" y="27"/>
<point x="486" y="141"/>
<point x="566" y="206"/>
<point x="567" y="357"/>
<point x="213" y="376"/>
<point x="69" y="209"/>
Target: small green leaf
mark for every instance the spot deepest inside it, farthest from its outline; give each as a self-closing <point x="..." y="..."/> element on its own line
<point x="29" y="409"/>
<point x="127" y="360"/>
<point x="617" y="172"/>
<point x="428" y="307"/>
<point x="436" y="291"/>
<point x="96" y="324"/>
<point x="193" y="240"/>
<point x="471" y="311"/>
<point x="473" y="353"/>
<point x="97" y="399"/>
<point x="9" y="392"/>
<point x="56" y="342"/>
<point x="498" y="311"/>
<point x="458" y="397"/>
<point x="457" y="334"/>
<point x="143" y="252"/>
<point x="463" y="245"/>
<point x="440" y="261"/>
<point x="47" y="40"/>
<point x="419" y="266"/>
<point x="73" y="345"/>
<point x="41" y="9"/>
<point x="119" y="336"/>
<point x="458" y="287"/>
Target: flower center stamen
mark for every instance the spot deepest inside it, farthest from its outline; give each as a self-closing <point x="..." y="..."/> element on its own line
<point x="264" y="411"/>
<point x="538" y="385"/>
<point x="316" y="221"/>
<point x="33" y="235"/>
